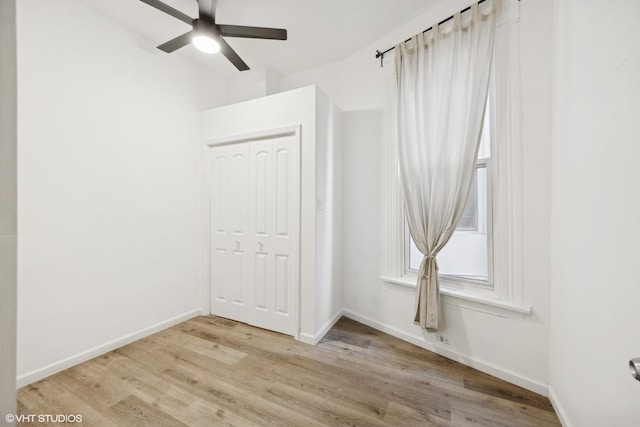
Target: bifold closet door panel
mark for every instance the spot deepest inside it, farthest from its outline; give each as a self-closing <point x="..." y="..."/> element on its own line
<point x="230" y="233"/>
<point x="262" y="196"/>
<point x="275" y="204"/>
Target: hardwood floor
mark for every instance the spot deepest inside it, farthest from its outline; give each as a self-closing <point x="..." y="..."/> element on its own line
<point x="212" y="371"/>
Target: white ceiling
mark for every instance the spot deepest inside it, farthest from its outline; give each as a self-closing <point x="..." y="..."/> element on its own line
<point x="319" y="31"/>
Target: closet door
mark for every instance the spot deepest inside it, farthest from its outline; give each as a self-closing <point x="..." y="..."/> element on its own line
<point x="275" y="212"/>
<point x="229" y="216"/>
<point x="254" y="216"/>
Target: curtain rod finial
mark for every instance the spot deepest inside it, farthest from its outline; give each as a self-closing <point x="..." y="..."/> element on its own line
<point x="381" y="56"/>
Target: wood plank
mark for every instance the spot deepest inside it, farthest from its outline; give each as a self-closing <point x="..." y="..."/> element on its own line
<point x="494" y="387"/>
<point x="344" y="336"/>
<point x="400" y="415"/>
<point x="205" y="347"/>
<point x="132" y="411"/>
<point x="93" y="383"/>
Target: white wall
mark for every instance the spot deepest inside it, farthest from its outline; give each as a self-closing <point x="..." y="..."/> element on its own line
<point x="317" y="237"/>
<point x="595" y="210"/>
<point x="109" y="184"/>
<point x="507" y="345"/>
<point x="329" y="213"/>
<point x="8" y="204"/>
<point x="252" y="84"/>
<point x="363" y="226"/>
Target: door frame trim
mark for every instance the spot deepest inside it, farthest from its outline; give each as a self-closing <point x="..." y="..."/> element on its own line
<point x="256" y="136"/>
<point x="293" y="130"/>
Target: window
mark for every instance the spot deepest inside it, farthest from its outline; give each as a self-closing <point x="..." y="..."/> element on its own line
<point x="466" y="257"/>
<point x="482" y="262"/>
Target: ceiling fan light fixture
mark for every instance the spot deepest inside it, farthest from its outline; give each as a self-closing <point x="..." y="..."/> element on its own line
<point x="206" y="44"/>
<point x="205" y="37"/>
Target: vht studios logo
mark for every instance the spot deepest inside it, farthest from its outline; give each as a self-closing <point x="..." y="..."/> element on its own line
<point x="44" y="418"/>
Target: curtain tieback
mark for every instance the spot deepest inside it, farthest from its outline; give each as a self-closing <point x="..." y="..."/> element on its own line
<point x="426" y="259"/>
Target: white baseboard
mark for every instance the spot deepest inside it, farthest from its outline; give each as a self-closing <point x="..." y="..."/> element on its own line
<point x="315" y="339"/>
<point x="557" y="406"/>
<point x="307" y="338"/>
<point x="481" y="365"/>
<point x="66" y="363"/>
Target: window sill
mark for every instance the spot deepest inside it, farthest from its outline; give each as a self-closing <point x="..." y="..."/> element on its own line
<point x="459" y="294"/>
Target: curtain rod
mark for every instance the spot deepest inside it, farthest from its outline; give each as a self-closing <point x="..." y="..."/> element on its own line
<point x="381" y="54"/>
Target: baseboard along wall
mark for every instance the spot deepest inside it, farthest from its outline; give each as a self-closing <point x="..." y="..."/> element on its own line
<point x="557" y="406"/>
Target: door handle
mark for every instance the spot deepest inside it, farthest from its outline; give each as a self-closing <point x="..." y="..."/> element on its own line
<point x="634" y="368"/>
<point x="237" y="245"/>
<point x="261" y="247"/>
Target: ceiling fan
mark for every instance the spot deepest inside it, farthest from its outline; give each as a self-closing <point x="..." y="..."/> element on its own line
<point x="207" y="36"/>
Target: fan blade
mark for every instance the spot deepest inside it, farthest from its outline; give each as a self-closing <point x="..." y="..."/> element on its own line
<point x="169" y="10"/>
<point x="177" y="43"/>
<point x="253" y="32"/>
<point x="207" y="8"/>
<point x="232" y="55"/>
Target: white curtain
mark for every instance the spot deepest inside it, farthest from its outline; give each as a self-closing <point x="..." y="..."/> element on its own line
<point x="442" y="79"/>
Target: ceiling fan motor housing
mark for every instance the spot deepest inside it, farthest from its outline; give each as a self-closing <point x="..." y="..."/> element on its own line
<point x="206" y="28"/>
